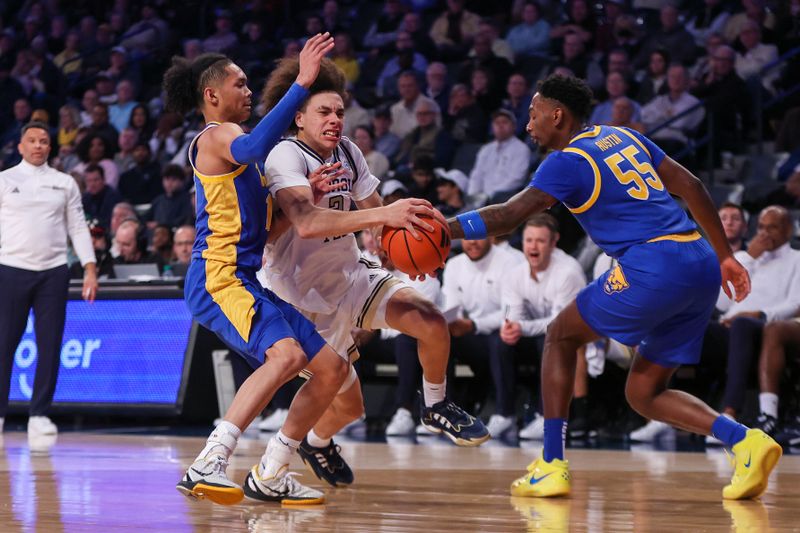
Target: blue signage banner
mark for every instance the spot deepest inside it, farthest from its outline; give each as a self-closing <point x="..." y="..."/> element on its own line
<point x="113" y="352"/>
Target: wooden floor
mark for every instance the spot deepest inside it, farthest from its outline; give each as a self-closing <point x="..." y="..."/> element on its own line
<point x="98" y="482"/>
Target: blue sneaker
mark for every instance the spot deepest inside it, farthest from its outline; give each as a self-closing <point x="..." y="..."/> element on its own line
<point x="326" y="463"/>
<point x="460" y="427"/>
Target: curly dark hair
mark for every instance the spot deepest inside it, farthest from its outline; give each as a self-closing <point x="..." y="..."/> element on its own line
<point x="330" y="79"/>
<point x="184" y="81"/>
<point x="569" y="91"/>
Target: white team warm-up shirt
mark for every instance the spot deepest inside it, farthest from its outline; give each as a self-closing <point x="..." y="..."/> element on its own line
<point x="314" y="274"/>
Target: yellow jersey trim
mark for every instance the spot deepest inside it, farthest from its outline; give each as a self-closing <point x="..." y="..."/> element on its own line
<point x="594" y="132"/>
<point x="211" y="177"/>
<point x="225" y="227"/>
<point x="598" y="181"/>
<point x="636" y="140"/>
<point x="678" y="237"/>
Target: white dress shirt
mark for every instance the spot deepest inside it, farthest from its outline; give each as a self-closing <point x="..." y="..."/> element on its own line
<point x="404" y="118"/>
<point x="774" y="285"/>
<point x="39" y="207"/>
<point x="476" y="287"/>
<point x="500" y="166"/>
<point x="534" y="303"/>
<point x="662" y="108"/>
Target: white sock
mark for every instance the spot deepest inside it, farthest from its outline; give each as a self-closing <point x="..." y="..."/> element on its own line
<point x="316" y="441"/>
<point x="768" y="403"/>
<point x="278" y="454"/>
<point x="222" y="441"/>
<point x="433" y="392"/>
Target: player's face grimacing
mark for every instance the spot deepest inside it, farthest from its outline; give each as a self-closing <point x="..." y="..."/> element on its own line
<point x="234" y="96"/>
<point x="541" y="125"/>
<point x="320" y="123"/>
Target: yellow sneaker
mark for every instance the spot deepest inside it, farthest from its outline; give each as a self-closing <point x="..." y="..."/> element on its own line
<point x="755" y="457"/>
<point x="747" y="516"/>
<point x="543" y="479"/>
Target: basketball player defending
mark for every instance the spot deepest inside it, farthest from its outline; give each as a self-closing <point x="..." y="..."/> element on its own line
<point x="329" y="281"/>
<point x="618" y="183"/>
<point x="221" y="288"/>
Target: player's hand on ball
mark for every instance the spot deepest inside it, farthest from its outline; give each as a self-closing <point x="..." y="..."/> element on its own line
<point x="406" y="214"/>
<point x="734" y="273"/>
<point x="320" y="180"/>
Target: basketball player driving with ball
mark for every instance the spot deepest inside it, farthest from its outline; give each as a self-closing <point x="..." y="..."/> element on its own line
<point x="328" y="280"/>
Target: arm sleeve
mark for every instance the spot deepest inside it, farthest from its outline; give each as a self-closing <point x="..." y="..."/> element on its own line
<point x="253" y="147"/>
<point x="286" y="167"/>
<point x="77" y="229"/>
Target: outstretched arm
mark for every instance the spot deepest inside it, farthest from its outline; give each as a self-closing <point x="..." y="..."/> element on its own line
<point x="680" y="182"/>
<point x="500" y="219"/>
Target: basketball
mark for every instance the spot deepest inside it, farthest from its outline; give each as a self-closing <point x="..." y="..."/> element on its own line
<point x="417" y="257"/>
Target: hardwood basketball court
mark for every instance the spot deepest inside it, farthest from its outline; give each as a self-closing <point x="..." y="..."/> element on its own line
<point x="100" y="482"/>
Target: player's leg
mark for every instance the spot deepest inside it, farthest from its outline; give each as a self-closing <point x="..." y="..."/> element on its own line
<point x="412" y="314"/>
<point x="771" y="365"/>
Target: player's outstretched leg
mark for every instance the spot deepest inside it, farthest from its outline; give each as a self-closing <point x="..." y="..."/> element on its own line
<point x="206" y="477"/>
<point x="270" y="480"/>
<point x="318" y="450"/>
<point x="549" y="475"/>
<point x="755" y="453"/>
<point x="410" y="313"/>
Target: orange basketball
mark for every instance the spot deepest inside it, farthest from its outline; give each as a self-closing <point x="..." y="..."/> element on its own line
<point x="417" y="257"/>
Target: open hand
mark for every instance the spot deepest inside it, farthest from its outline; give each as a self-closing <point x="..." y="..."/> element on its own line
<point x="311" y="56"/>
<point x="732" y="271"/>
<point x="320" y="180"/>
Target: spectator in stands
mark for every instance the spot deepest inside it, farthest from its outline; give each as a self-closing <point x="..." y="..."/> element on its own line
<point x="752" y="10"/>
<point x="453" y="31"/>
<point x="97" y="57"/>
<point x="167" y="137"/>
<point x="142" y="183"/>
<point x="224" y="39"/>
<point x="499" y="46"/>
<point x="670" y="36"/>
<point x="531" y="37"/>
<point x="69" y="59"/>
<point x="605" y="36"/>
<point x="579" y="20"/>
<point x="121" y="69"/>
<point x="354" y="115"/>
<point x="412" y="23"/>
<point x="39" y="209"/>
<point x="404" y="60"/>
<point x="655" y="83"/>
<point x="96" y="151"/>
<point x="344" y="55"/>
<point x="132" y="245"/>
<point x="423" y="179"/>
<point x="484" y="90"/>
<point x="465" y="121"/>
<point x="386" y="142"/>
<point x="533" y="293"/>
<point x="404" y="112"/>
<point x="120" y="112"/>
<point x="437" y="87"/>
<point x="393" y="190"/>
<point x="734" y="223"/>
<point x="778" y="336"/>
<point x="377" y="162"/>
<point x="501" y="168"/>
<point x="775" y="280"/>
<point x="101" y="127"/>
<point x="149" y="34"/>
<point x="103" y="259"/>
<point x="675" y="136"/>
<point x="69" y="120"/>
<point x="56" y="37"/>
<point x="472" y="294"/>
<point x="161" y="244"/>
<point x="173" y="208"/>
<point x="451" y="190"/>
<point x="620" y="61"/>
<point x="182" y="244"/>
<point x="192" y="48"/>
<point x="622" y="115"/>
<point x="141" y="122"/>
<point x="88" y="101"/>
<point x="755" y="56"/>
<point x="616" y="87"/>
<point x="98" y="199"/>
<point x="518" y="101"/>
<point x="728" y="100"/>
<point x="482" y="57"/>
<point x="428" y="138"/>
<point x="12" y="132"/>
<point x="382" y="33"/>
<point x="124" y="159"/>
<point x="122" y="211"/>
<point x="708" y="18"/>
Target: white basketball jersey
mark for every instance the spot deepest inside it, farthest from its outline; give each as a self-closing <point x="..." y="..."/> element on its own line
<point x="314" y="274"/>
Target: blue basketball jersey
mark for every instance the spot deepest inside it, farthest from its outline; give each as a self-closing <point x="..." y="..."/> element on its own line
<point x="607" y="177"/>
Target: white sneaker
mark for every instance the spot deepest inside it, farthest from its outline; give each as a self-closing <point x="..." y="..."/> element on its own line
<point x="281" y="488"/>
<point x="422" y="431"/>
<point x="206" y="478"/>
<point x="41" y="425"/>
<point x="401" y="424"/>
<point x="275" y="421"/>
<point x="650" y="431"/>
<point x="534" y="430"/>
<point x="499" y="424"/>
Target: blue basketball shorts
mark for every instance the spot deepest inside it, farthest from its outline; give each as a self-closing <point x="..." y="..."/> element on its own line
<point x="248" y="318"/>
<point x="660" y="298"/>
